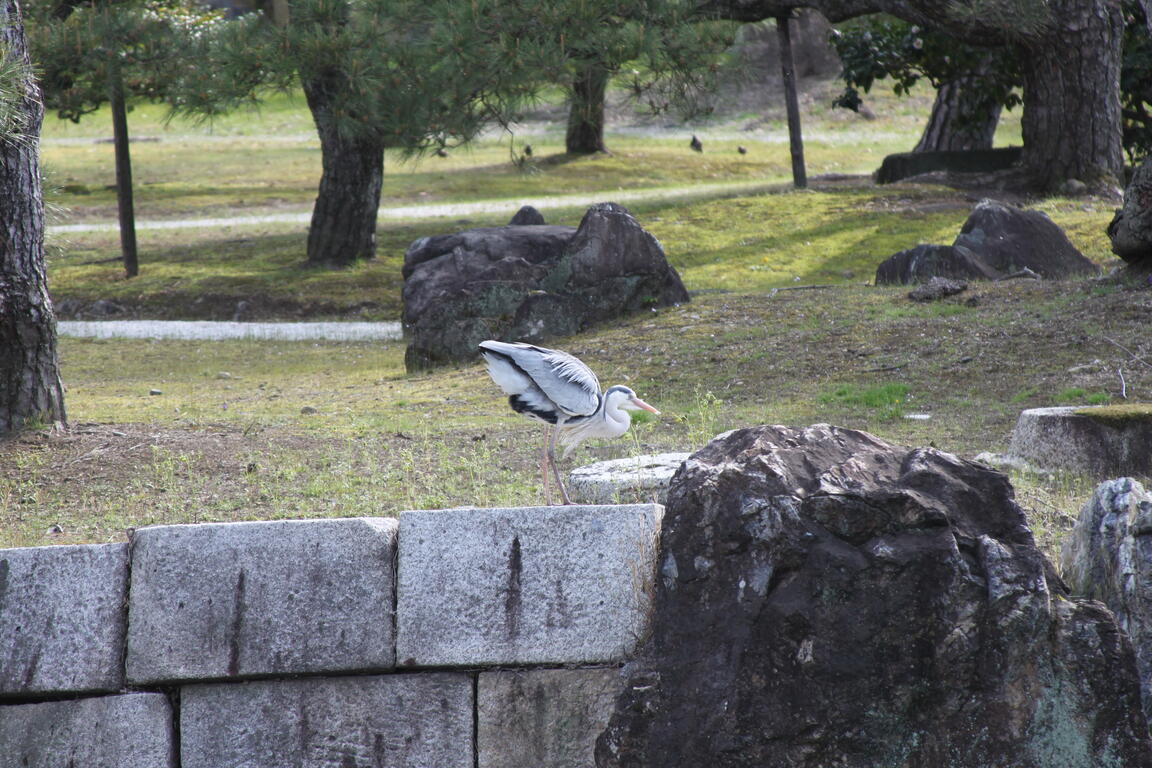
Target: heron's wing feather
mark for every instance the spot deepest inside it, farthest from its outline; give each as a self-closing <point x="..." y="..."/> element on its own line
<point x="566" y="381"/>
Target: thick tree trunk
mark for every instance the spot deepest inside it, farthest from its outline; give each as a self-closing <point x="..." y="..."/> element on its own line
<point x="960" y="119"/>
<point x="343" y="228"/>
<point x="30" y="388"/>
<point x="585" y="134"/>
<point x="1071" y="115"/>
<point x="1071" y="120"/>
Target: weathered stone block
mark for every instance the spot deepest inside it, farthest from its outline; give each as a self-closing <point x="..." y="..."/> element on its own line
<point x="263" y="598"/>
<point x="1101" y="442"/>
<point x="630" y="479"/>
<point x="524" y="586"/>
<point x="62" y="618"/>
<point x="543" y="717"/>
<point x="399" y="721"/>
<point x="129" y="731"/>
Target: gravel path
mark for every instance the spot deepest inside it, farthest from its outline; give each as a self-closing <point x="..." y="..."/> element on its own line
<point x="435" y="210"/>
<point x="208" y="330"/>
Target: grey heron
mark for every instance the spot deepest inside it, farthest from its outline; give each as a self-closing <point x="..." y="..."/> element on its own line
<point x="556" y="388"/>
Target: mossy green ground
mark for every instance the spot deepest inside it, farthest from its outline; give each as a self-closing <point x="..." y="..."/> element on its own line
<point x="783" y="328"/>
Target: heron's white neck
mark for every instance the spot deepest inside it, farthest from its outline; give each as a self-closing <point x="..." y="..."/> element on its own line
<point x="610" y="421"/>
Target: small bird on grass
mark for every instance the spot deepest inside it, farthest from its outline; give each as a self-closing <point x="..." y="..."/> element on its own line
<point x="742" y="149"/>
<point x="556" y="388"/>
<point x="696" y="144"/>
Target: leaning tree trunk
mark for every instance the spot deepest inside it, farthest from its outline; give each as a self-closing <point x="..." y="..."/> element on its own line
<point x="343" y="228"/>
<point x="585" y="134"/>
<point x="961" y="119"/>
<point x="30" y="388"/>
<point x="1071" y="119"/>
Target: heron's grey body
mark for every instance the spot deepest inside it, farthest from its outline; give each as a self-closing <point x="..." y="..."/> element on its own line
<point x="556" y="388"/>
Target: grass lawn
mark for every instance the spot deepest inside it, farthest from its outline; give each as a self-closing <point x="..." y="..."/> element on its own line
<point x="783" y="327"/>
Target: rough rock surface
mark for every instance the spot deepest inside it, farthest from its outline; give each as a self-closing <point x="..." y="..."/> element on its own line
<point x="1108" y="557"/>
<point x="633" y="479"/>
<point x="1131" y="228"/>
<point x="531" y="585"/>
<point x="937" y="288"/>
<point x="1070" y="438"/>
<point x="62" y="619"/>
<point x="828" y="599"/>
<point x="282" y="597"/>
<point x="129" y="731"/>
<point x="529" y="283"/>
<point x="996" y="240"/>
<point x="399" y="721"/>
<point x="1010" y="239"/>
<point x="925" y="262"/>
<point x="542" y="717"/>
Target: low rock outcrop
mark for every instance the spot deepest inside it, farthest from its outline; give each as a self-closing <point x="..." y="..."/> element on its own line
<point x="529" y="283"/>
<point x="996" y="241"/>
<point x="1098" y="441"/>
<point x="1108" y="558"/>
<point x="829" y="599"/>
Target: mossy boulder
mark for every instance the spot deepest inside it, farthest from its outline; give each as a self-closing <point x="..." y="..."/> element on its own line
<point x="529" y="283"/>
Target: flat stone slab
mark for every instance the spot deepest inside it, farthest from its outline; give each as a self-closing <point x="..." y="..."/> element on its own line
<point x="255" y="599"/>
<point x="62" y="619"/>
<point x="633" y="479"/>
<point x="1100" y="442"/>
<point x="531" y="585"/>
<point x="398" y="721"/>
<point x="129" y="731"/>
<point x="543" y="717"/>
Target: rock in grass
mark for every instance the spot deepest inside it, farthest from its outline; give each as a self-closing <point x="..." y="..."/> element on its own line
<point x="937" y="288"/>
<point x="635" y="479"/>
<point x="1108" y="557"/>
<point x="529" y="283"/>
<point x="1097" y="441"/>
<point x="1010" y="239"/>
<point x="829" y="599"/>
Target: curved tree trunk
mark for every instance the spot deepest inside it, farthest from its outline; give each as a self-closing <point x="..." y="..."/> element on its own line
<point x="30" y="388"/>
<point x="343" y="228"/>
<point x="585" y="134"/>
<point x="960" y="119"/>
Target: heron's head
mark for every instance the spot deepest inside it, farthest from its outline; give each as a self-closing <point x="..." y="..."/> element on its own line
<point x="623" y="397"/>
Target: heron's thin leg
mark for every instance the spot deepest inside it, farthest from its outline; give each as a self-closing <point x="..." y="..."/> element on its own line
<point x="544" y="464"/>
<point x="555" y="471"/>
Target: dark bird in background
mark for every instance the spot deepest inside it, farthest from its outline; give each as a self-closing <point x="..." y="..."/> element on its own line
<point x="556" y="388"/>
<point x="441" y="152"/>
<point x="527" y="150"/>
<point x="696" y="144"/>
<point x="742" y="149"/>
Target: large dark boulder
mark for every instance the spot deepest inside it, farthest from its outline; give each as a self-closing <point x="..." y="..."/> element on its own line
<point x="1010" y="239"/>
<point x="925" y="262"/>
<point x="828" y="599"/>
<point x="996" y="240"/>
<point x="529" y="283"/>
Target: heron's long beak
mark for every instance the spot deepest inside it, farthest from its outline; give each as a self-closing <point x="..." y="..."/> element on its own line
<point x="641" y="404"/>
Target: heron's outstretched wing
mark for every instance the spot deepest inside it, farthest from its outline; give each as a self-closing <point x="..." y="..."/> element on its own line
<point x="519" y="368"/>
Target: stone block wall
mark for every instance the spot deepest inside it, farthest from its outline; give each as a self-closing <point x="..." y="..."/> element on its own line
<point x="467" y="637"/>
